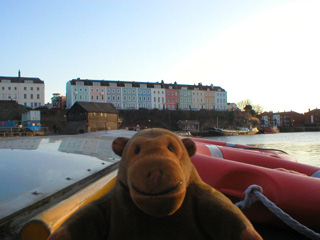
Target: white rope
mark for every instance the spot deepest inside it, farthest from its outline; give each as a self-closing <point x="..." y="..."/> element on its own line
<point x="254" y="193"/>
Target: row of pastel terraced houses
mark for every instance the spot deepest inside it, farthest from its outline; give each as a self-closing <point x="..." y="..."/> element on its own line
<point x="136" y="95"/>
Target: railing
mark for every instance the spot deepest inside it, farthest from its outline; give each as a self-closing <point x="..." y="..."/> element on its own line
<point x="18" y="131"/>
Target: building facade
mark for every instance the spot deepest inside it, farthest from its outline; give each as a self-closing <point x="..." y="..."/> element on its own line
<point x="58" y="101"/>
<point x="172" y="97"/>
<point x="26" y="91"/>
<point x="136" y="95"/>
<point x="91" y="117"/>
<point x="312" y="118"/>
<point x="281" y="119"/>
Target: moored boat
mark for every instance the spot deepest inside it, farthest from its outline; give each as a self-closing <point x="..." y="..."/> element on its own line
<point x="273" y="129"/>
<point x="231" y="132"/>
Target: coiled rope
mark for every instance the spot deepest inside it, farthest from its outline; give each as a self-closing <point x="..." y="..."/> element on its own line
<point x="254" y="193"/>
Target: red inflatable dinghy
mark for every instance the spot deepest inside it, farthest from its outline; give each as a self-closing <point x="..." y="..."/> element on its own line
<point x="292" y="186"/>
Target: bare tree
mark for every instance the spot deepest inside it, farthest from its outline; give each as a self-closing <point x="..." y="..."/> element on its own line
<point x="256" y="107"/>
<point x="242" y="104"/>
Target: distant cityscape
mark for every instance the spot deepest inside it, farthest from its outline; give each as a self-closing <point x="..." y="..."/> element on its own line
<point x="128" y="95"/>
<point x="30" y="93"/>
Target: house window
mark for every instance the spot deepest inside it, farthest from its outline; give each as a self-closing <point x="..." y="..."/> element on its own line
<point x="25" y="96"/>
<point x="25" y="88"/>
<point x="31" y="88"/>
<point x="38" y="88"/>
<point x="31" y="96"/>
<point x="38" y="96"/>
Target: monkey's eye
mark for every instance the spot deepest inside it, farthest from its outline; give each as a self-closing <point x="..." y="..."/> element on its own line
<point x="170" y="148"/>
<point x="137" y="150"/>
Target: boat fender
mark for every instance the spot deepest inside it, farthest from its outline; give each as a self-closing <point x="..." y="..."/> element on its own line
<point x="316" y="174"/>
<point x="215" y="151"/>
<point x="254" y="193"/>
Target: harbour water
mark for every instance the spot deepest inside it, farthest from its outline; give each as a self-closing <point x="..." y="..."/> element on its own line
<point x="303" y="146"/>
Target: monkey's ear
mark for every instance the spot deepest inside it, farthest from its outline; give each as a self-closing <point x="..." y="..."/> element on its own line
<point x="118" y="145"/>
<point x="190" y="146"/>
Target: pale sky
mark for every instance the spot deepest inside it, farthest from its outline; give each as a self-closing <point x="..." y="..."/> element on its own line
<point x="266" y="51"/>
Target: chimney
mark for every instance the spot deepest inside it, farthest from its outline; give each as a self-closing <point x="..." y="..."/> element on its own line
<point x="19" y="74"/>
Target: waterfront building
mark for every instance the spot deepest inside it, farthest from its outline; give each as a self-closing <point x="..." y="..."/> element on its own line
<point x="220" y="99"/>
<point x="91" y="116"/>
<point x="312" y="118"/>
<point x="144" y="96"/>
<point x="232" y="107"/>
<point x="185" y="102"/>
<point x="197" y="98"/>
<point x="209" y="97"/>
<point x="79" y="91"/>
<point x="281" y="119"/>
<point x="129" y="96"/>
<point x="58" y="101"/>
<point x="158" y="96"/>
<point x="27" y="91"/>
<point x="114" y="94"/>
<point x="97" y="92"/>
<point x="135" y="95"/>
<point x="172" y="96"/>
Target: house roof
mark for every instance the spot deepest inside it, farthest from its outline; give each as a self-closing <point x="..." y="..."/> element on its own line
<point x="21" y="79"/>
<point x="89" y="82"/>
<point x="97" y="107"/>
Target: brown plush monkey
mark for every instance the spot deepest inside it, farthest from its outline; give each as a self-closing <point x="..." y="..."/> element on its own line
<point x="158" y="195"/>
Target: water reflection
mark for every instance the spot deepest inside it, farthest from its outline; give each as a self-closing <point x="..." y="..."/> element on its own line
<point x="304" y="146"/>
